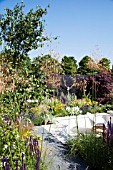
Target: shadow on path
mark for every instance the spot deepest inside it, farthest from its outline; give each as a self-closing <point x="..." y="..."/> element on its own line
<point x="55" y="153"/>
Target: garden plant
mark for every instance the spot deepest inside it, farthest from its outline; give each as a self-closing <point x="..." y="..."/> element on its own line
<point x="33" y="92"/>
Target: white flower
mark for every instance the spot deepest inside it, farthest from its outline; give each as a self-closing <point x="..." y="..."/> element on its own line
<point x="80" y="111"/>
<point x="68" y="109"/>
<point x="74" y="110"/>
<point x="17" y="136"/>
<point x="31" y="101"/>
<point x="5" y="146"/>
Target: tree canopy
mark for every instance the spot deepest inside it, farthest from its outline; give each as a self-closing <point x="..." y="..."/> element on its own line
<point x="87" y="66"/>
<point x="20" y="33"/>
<point x="69" y="65"/>
<point x="104" y="62"/>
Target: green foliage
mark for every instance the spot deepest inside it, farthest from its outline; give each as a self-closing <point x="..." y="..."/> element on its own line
<point x="93" y="150"/>
<point x="94" y="108"/>
<point x="22" y="32"/>
<point x="41" y="113"/>
<point x="29" y="83"/>
<point x="15" y="141"/>
<point x="84" y="66"/>
<point x="38" y="114"/>
<point x="57" y="108"/>
<point x="36" y="85"/>
<point x="104" y="62"/>
<point x="86" y="105"/>
<point x="69" y="65"/>
<point x="23" y="80"/>
<point x="15" y="129"/>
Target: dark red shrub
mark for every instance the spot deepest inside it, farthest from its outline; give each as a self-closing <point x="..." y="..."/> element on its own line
<point x="100" y="86"/>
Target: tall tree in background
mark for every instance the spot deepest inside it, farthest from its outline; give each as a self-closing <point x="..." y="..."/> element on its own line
<point x="85" y="65"/>
<point x="69" y="65"/>
<point x="20" y="33"/>
<point x="104" y="62"/>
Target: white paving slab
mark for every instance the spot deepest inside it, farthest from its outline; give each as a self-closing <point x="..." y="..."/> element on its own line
<point x="66" y="127"/>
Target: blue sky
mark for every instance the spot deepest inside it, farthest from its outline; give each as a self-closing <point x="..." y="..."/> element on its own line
<point x="84" y="27"/>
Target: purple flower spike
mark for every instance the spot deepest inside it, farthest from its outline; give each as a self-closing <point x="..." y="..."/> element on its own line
<point x="34" y="142"/>
<point x="37" y="166"/>
<point x="24" y="166"/>
<point x="31" y="147"/>
<point x="109" y="127"/>
<point x="112" y="129"/>
<point x="22" y="155"/>
<point x="7" y="167"/>
<point x="104" y="128"/>
<point x="30" y="138"/>
<point x="38" y="155"/>
<point x="26" y="141"/>
<point x="4" y="160"/>
<point x="63" y="100"/>
<point x="22" y="159"/>
<point x="110" y="124"/>
<point x="16" y="164"/>
<point x="108" y="137"/>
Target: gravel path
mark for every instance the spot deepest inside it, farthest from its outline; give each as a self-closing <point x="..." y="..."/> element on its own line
<point x="55" y="153"/>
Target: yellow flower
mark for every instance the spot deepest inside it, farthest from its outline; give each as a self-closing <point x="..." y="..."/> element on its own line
<point x="26" y="134"/>
<point x="94" y="102"/>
